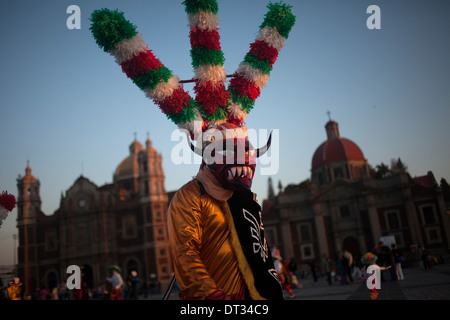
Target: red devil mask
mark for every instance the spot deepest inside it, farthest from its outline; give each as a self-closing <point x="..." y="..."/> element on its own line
<point x="229" y="155"/>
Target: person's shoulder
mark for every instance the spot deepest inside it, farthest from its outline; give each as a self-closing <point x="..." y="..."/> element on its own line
<point x="188" y="192"/>
<point x="191" y="187"/>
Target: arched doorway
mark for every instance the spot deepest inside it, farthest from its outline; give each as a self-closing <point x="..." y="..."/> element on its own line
<point x="52" y="280"/>
<point x="87" y="275"/>
<point x="351" y="244"/>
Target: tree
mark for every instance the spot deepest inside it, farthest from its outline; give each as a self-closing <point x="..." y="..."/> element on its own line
<point x="280" y="186"/>
<point x="397" y="166"/>
<point x="382" y="170"/>
<point x="270" y="192"/>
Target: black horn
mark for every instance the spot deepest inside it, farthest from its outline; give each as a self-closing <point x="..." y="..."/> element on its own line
<point x="262" y="150"/>
<point x="198" y="151"/>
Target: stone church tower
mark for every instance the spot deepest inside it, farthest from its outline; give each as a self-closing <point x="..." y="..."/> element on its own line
<point x="28" y="208"/>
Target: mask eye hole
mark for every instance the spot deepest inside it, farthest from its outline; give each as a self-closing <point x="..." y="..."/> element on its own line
<point x="225" y="153"/>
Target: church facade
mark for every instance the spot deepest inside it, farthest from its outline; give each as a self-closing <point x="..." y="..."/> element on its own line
<point x="343" y="206"/>
<point x="122" y="223"/>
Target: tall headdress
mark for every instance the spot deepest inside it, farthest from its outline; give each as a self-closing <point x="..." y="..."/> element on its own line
<point x="213" y="104"/>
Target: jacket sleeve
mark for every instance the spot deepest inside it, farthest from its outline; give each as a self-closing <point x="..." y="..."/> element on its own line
<point x="185" y="238"/>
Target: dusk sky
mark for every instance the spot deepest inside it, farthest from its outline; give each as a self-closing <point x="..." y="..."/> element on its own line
<point x="67" y="108"/>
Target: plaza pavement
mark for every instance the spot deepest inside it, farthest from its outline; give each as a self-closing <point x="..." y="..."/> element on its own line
<point x="419" y="284"/>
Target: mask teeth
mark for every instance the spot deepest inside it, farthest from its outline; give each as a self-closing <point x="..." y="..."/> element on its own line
<point x="239" y="171"/>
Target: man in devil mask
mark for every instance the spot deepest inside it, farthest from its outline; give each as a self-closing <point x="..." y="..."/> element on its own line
<point x="215" y="226"/>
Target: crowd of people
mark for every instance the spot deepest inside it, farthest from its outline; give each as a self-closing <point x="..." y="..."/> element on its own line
<point x="344" y="268"/>
<point x="115" y="287"/>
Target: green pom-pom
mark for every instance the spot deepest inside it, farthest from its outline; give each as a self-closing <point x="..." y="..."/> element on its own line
<point x="187" y="115"/>
<point x="262" y="65"/>
<point x="207" y="56"/>
<point x="193" y="6"/>
<point x="246" y="103"/>
<point x="279" y="17"/>
<point x="219" y="114"/>
<point x="110" y="27"/>
<point x="152" y="78"/>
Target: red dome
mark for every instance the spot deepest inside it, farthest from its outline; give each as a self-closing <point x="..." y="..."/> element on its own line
<point x="335" y="148"/>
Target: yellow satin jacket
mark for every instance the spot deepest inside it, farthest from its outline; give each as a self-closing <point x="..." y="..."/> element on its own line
<point x="201" y="244"/>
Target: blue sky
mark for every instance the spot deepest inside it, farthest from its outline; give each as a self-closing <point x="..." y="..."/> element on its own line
<point x="66" y="106"/>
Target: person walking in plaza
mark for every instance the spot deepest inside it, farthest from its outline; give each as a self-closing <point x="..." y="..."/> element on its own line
<point x="398" y="261"/>
<point x="330" y="269"/>
<point x="15" y="289"/>
<point x="388" y="260"/>
<point x="116" y="283"/>
<point x="341" y="265"/>
<point x="282" y="272"/>
<point x="135" y="285"/>
<point x="370" y="259"/>
<point x="348" y="263"/>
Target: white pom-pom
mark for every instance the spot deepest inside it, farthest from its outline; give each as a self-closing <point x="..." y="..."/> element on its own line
<point x="254" y="75"/>
<point x="212" y="73"/>
<point x="164" y="89"/>
<point x="203" y="20"/>
<point x="235" y="111"/>
<point x="128" y="48"/>
<point x="271" y="37"/>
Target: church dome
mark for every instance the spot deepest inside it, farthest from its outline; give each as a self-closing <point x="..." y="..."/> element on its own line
<point x="335" y="148"/>
<point x="125" y="167"/>
<point x="129" y="166"/>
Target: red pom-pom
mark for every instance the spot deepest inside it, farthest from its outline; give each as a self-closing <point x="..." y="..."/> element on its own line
<point x="237" y="122"/>
<point x="205" y="39"/>
<point x="244" y="87"/>
<point x="7" y="201"/>
<point x="176" y="102"/>
<point x="262" y="50"/>
<point x="142" y="63"/>
<point x="211" y="95"/>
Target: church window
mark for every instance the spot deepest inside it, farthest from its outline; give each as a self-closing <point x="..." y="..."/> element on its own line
<point x="345" y="211"/>
<point x="144" y="165"/>
<point x="393" y="220"/>
<point x="428" y="214"/>
<point x="146" y="187"/>
<point x="338" y="173"/>
<point x="129" y="227"/>
<point x="307" y="251"/>
<point x="320" y="179"/>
